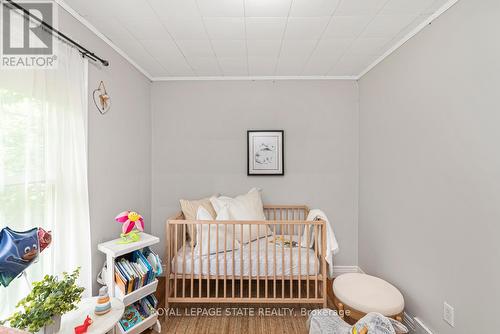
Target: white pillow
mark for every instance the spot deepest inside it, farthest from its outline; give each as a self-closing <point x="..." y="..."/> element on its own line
<point x="202" y="232"/>
<point x="244" y="207"/>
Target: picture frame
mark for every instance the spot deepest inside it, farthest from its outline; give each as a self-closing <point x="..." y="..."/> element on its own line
<point x="265" y="153"/>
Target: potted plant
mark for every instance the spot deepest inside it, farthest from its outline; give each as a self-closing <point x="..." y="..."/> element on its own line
<point x="41" y="310"/>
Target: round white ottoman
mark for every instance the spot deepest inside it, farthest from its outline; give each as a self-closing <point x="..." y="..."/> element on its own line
<point x="359" y="294"/>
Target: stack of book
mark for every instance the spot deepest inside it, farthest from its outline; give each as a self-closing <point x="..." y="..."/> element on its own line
<point x="138" y="311"/>
<point x="134" y="271"/>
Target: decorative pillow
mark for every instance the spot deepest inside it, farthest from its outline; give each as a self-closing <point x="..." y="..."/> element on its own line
<point x="190" y="209"/>
<point x="244" y="207"/>
<point x="213" y="232"/>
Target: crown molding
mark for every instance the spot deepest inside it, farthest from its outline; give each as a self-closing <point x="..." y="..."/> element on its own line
<point x="254" y="78"/>
<point x="408" y="36"/>
<point x="93" y="29"/>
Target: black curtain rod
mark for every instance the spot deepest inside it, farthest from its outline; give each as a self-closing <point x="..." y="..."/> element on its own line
<point x="84" y="51"/>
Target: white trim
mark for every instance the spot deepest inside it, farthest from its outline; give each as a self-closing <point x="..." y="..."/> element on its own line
<point x="409" y="323"/>
<point x="89" y="26"/>
<point x="252" y="78"/>
<point x="339" y="270"/>
<point x="408" y="36"/>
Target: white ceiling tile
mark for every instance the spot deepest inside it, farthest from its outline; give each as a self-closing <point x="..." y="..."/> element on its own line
<point x="352" y="64"/>
<point x="233" y="66"/>
<point x="359" y="7"/>
<point x="169" y="56"/>
<point x="313" y="7"/>
<point x="145" y="29"/>
<point x="406" y="7"/>
<point x="185" y="27"/>
<point x="204" y="65"/>
<point x="138" y="53"/>
<point x="195" y="48"/>
<point x="225" y="27"/>
<point x="347" y="26"/>
<point x="387" y="25"/>
<point x="290" y="65"/>
<point x="128" y="9"/>
<point x="297" y="48"/>
<point x="93" y="8"/>
<point x="328" y="47"/>
<point x="305" y="27"/>
<point x="174" y="8"/>
<point x="221" y="8"/>
<point x="111" y="28"/>
<point x="261" y="65"/>
<point x="265" y="27"/>
<point x="366" y="46"/>
<point x="320" y="65"/>
<point x="229" y="48"/>
<point x="263" y="48"/>
<point x="267" y="8"/>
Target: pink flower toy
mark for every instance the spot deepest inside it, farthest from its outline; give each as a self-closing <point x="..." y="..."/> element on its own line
<point x="130" y="219"/>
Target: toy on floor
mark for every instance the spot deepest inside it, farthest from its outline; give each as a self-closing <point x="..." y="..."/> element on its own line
<point x="103" y="304"/>
<point x="83" y="327"/>
<point x="18" y="250"/>
<point x="130" y="219"/>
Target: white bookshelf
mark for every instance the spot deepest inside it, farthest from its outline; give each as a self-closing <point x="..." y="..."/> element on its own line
<point x="114" y="249"/>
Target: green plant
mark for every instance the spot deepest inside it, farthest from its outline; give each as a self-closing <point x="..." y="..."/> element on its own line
<point x="50" y="297"/>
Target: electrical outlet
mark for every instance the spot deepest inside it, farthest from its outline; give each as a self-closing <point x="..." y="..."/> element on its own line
<point x="449" y="314"/>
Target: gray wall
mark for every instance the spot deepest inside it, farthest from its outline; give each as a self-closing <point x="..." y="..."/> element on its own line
<point x="119" y="142"/>
<point x="199" y="146"/>
<point x="430" y="169"/>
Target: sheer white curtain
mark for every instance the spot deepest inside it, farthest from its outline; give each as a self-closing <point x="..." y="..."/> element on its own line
<point x="43" y="166"/>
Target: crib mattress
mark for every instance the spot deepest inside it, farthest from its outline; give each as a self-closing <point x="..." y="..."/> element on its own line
<point x="249" y="262"/>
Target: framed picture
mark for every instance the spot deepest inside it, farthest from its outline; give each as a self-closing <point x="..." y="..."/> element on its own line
<point x="265" y="151"/>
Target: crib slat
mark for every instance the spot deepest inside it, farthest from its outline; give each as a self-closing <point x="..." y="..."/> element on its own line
<point x="225" y="260"/>
<point x="192" y="260"/>
<point x="290" y="227"/>
<point x="183" y="260"/>
<point x="274" y="279"/>
<point x="316" y="260"/>
<point x="308" y="246"/>
<point x="300" y="258"/>
<point x="232" y="272"/>
<point x="208" y="262"/>
<point x="323" y="261"/>
<point x="282" y="263"/>
<point x="250" y="267"/>
<point x="216" y="260"/>
<point x="201" y="261"/>
<point x="169" y="265"/>
<point x="267" y="265"/>
<point x="258" y="262"/>
<point x="241" y="261"/>
<point x="175" y="261"/>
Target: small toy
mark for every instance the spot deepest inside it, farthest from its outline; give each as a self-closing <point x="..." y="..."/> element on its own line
<point x="283" y="242"/>
<point x="18" y="250"/>
<point x="130" y="219"/>
<point x="103" y="304"/>
<point x="83" y="327"/>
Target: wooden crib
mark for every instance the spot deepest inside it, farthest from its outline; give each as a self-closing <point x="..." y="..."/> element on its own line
<point x="272" y="273"/>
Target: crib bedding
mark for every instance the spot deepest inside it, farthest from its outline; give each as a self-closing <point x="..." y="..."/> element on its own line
<point x="250" y="259"/>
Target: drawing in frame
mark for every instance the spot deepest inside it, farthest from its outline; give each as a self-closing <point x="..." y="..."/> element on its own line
<point x="265" y="152"/>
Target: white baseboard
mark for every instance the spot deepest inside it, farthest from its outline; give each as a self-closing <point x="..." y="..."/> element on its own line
<point x="339" y="270"/>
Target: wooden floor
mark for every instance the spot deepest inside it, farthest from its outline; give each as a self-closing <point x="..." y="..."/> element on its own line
<point x="272" y="319"/>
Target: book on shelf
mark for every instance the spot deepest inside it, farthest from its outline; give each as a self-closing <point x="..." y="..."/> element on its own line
<point x="138" y="311"/>
<point x="134" y="270"/>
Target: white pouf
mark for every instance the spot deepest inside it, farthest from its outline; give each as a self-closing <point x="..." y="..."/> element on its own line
<point x="365" y="294"/>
